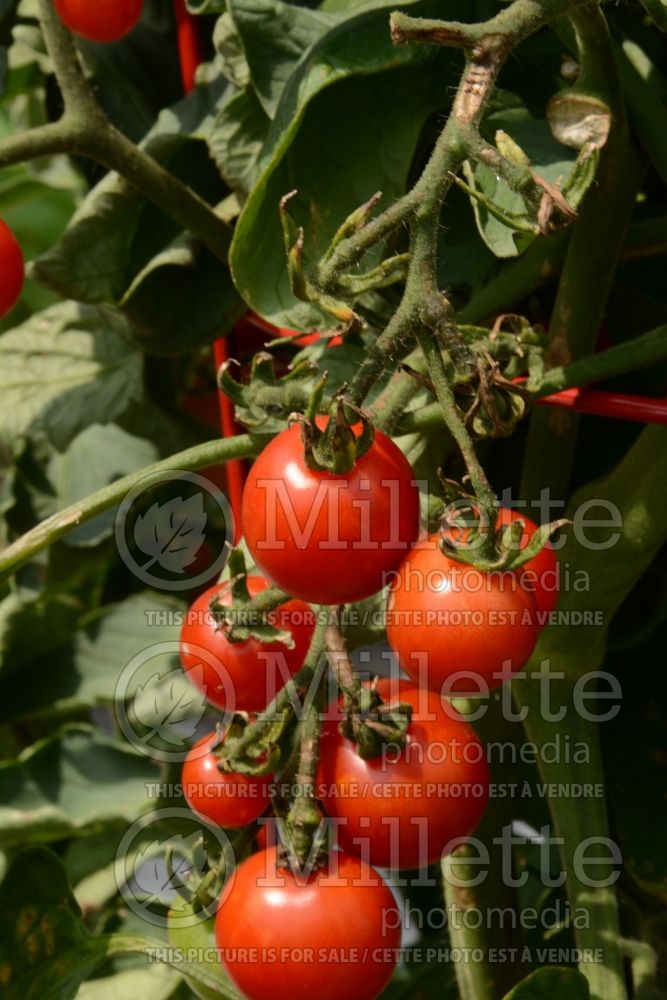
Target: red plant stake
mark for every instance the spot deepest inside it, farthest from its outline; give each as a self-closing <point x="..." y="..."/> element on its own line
<point x="191" y="54"/>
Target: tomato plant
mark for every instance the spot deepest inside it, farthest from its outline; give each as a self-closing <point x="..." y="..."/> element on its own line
<point x="228" y="799"/>
<point x="242" y="676"/>
<point x="329" y="538"/>
<point x="340" y="269"/>
<point x="11" y="262"/>
<point x="103" y="21"/>
<point x="324" y="931"/>
<point x="408" y="806"/>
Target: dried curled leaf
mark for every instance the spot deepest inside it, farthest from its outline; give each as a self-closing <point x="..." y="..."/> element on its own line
<point x="579" y="121"/>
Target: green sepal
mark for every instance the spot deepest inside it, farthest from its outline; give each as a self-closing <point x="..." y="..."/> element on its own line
<point x="389" y="272"/>
<point x="353" y="223"/>
<point x="373" y="725"/>
<point x="513" y="220"/>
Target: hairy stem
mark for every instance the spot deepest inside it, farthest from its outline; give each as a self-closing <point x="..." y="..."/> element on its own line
<point x="84" y="129"/>
<point x="296" y="687"/>
<point x="592" y="254"/>
<point x="456" y="427"/>
<point x="488" y="44"/>
<point x="54" y="527"/>
<point x="348" y="679"/>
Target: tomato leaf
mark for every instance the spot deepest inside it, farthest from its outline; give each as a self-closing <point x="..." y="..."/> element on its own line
<point x="275" y="35"/>
<point x="71" y="783"/>
<point x="551" y="984"/>
<point x="83" y="665"/>
<point x="46" y="952"/>
<point x="64" y="368"/>
<point x="346" y="125"/>
<point x="238" y="138"/>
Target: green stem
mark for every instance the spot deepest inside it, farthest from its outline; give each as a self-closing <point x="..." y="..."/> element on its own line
<point x="348" y="679"/>
<point x="298" y="685"/>
<point x="53" y="528"/>
<point x="592" y="254"/>
<point x="85" y="130"/>
<point x="647" y="112"/>
<point x="473" y="978"/>
<point x="456" y="427"/>
<point x="647" y="349"/>
<point x="488" y="45"/>
<point x="305" y="814"/>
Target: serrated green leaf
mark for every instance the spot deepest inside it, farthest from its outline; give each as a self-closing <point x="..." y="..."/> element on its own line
<point x="45" y="950"/>
<point x="96" y="457"/>
<point x="71" y="784"/>
<point x="275" y="36"/>
<point x="84" y="663"/>
<point x="63" y="369"/>
<point x="238" y="138"/>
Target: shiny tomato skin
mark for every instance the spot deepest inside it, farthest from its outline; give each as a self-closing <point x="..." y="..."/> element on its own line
<point x="540" y="575"/>
<point x="225" y="798"/>
<point x="12" y="270"/>
<point x="322" y="937"/>
<point x="329" y="539"/>
<point x="240" y="678"/>
<point x="445" y="618"/>
<point x="100" y="20"/>
<point x="402" y="809"/>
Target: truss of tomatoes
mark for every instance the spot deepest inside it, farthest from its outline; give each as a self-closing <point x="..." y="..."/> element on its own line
<point x="334" y="539"/>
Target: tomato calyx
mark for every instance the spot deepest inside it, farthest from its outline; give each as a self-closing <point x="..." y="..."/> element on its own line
<point x="265" y="402"/>
<point x="199" y="893"/>
<point x="245" y="617"/>
<point x="475" y="541"/>
<point x="373" y="724"/>
<point x="246" y="748"/>
<point x="369" y="721"/>
<point x="336" y="448"/>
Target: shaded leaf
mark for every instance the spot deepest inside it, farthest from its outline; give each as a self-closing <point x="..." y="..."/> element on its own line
<point x="551" y="984"/>
<point x="69" y="784"/>
<point x="63" y="369"/>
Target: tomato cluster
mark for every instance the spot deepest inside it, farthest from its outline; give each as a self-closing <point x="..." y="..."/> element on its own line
<point x="334" y="538"/>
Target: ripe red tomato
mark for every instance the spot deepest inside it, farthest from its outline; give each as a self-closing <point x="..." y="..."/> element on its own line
<point x="402" y="809"/>
<point x="331" y="934"/>
<point x="329" y="539"/>
<point x="101" y="21"/>
<point x="446" y="618"/>
<point x="12" y="270"/>
<point x="226" y="798"/>
<point x="540" y="575"/>
<point x="242" y="676"/>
